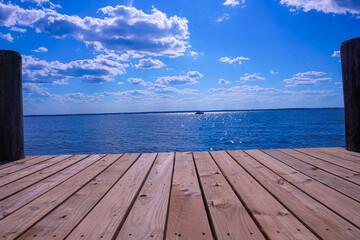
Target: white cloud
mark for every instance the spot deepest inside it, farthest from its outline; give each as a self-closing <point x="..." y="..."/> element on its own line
<point x="139" y="81"/>
<point x="162" y="89"/>
<point x="273" y="72"/>
<point x="225" y="16"/>
<point x="233" y="60"/>
<point x="251" y="77"/>
<point x="120" y="83"/>
<point x="40" y="49"/>
<point x="16" y="29"/>
<point x="310" y="74"/>
<point x="325" y="6"/>
<point x="193" y="53"/>
<point x="306" y="78"/>
<point x="12" y="15"/>
<point x="150" y="63"/>
<point x="7" y="37"/>
<point x="189" y="78"/>
<point x="120" y="29"/>
<point x="34" y="90"/>
<point x="336" y="54"/>
<point x="97" y="70"/>
<point x="223" y="81"/>
<point x="232" y="3"/>
<point x="338" y="83"/>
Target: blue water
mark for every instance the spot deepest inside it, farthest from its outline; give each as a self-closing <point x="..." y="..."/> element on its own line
<point x="161" y="132"/>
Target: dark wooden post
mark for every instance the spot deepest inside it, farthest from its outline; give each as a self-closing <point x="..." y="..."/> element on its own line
<point x="11" y="107"/>
<point x="350" y="64"/>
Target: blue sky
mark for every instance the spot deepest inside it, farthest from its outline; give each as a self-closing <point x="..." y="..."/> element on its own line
<point x="134" y="56"/>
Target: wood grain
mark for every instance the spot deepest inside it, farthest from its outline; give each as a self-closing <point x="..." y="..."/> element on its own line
<point x="17" y="162"/>
<point x="275" y="220"/>
<point x="187" y="216"/>
<point x="350" y="66"/>
<point x="317" y="217"/>
<point x="59" y="223"/>
<point x="16" y="201"/>
<point x="21" y="164"/>
<point x="327" y="196"/>
<point x="344" y="173"/>
<point x="32" y="169"/>
<point x="349" y="189"/>
<point x="18" y="185"/>
<point x="229" y="217"/>
<point x="103" y="221"/>
<point x="335" y="160"/>
<point x="342" y="155"/>
<point x="154" y="197"/>
<point x="28" y="215"/>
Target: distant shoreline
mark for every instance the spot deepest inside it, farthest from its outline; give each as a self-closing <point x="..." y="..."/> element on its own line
<point x="187" y="111"/>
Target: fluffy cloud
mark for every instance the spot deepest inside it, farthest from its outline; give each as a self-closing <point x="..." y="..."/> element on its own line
<point x="273" y="72"/>
<point x="162" y="89"/>
<point x="223" y="81"/>
<point x="232" y="3"/>
<point x="40" y="49"/>
<point x="34" y="90"/>
<point x="16" y="29"/>
<point x="336" y="54"/>
<point x="233" y="60"/>
<point x="120" y="29"/>
<point x="225" y="16"/>
<point x="306" y="78"/>
<point x="139" y="81"/>
<point x="11" y="15"/>
<point x="7" y="37"/>
<point x="251" y="77"/>
<point x="246" y="90"/>
<point x="189" y="78"/>
<point x="326" y="6"/>
<point x="100" y="69"/>
<point x="150" y="63"/>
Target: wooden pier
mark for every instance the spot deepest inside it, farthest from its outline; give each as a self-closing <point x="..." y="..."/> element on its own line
<point x="254" y="194"/>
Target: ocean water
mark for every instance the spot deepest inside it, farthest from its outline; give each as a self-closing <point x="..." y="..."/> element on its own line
<point x="162" y="132"/>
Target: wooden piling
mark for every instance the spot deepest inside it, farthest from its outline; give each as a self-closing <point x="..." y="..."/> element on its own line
<point x="11" y="107"/>
<point x="350" y="64"/>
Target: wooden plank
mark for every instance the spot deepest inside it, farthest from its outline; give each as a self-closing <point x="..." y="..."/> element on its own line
<point x="344" y="173"/>
<point x="103" y="221"/>
<point x="339" y="203"/>
<point x="59" y="223"/>
<point x="338" y="161"/>
<point x="223" y="204"/>
<point x="187" y="216"/>
<point x="28" y="215"/>
<point x="340" y="149"/>
<point x="17" y="185"/>
<point x="154" y="199"/>
<point x="16" y="201"/>
<point x="32" y="169"/>
<point x="17" y="162"/>
<point x="349" y="189"/>
<point x="274" y="219"/>
<point x="322" y="221"/>
<point x="342" y="155"/>
<point x="21" y="164"/>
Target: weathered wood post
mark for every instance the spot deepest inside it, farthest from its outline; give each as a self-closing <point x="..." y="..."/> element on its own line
<point x="350" y="64"/>
<point x="11" y="107"/>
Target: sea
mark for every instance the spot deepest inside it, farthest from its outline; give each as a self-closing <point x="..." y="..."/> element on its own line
<point x="184" y="131"/>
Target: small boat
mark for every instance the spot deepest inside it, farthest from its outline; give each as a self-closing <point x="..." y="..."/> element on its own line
<point x="199" y="112"/>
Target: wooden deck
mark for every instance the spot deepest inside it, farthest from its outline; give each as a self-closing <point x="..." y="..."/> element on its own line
<point x="255" y="194"/>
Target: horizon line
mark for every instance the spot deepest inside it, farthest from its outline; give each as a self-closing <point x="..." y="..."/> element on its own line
<point x="184" y="111"/>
